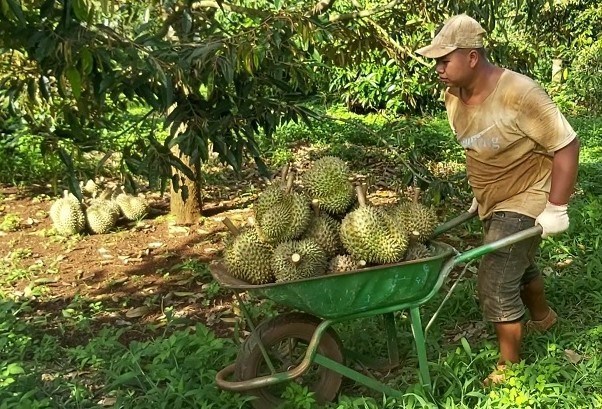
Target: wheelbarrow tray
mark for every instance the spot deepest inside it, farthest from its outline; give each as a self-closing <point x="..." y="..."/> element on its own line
<point x="338" y="295"/>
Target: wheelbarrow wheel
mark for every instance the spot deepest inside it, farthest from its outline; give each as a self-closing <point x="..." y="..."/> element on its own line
<point x="286" y="338"/>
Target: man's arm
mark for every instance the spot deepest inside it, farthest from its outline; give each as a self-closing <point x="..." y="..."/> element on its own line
<point x="555" y="218"/>
<point x="564" y="173"/>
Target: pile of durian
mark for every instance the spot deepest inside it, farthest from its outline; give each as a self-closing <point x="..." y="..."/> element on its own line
<point x="98" y="213"/>
<point x="325" y="227"/>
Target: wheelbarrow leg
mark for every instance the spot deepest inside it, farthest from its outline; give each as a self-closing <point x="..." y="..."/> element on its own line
<point x="420" y="342"/>
<point x="391" y="330"/>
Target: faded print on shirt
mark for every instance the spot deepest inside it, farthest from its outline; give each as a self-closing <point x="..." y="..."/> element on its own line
<point x="509" y="140"/>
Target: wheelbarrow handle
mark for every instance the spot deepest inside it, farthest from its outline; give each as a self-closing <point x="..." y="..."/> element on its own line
<point x="450" y="224"/>
<point x="473" y="254"/>
<point x="498" y="244"/>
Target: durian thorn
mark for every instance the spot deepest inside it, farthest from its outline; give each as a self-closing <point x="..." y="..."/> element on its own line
<point x="361" y="195"/>
<point x="284" y="171"/>
<point x="290" y="179"/>
<point x="315" y="204"/>
<point x="233" y="229"/>
<point x="296" y="258"/>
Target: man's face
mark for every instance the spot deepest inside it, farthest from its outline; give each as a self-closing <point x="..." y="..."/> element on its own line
<point x="455" y="69"/>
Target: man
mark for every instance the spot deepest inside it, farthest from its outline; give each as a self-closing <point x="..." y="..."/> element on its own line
<point x="521" y="161"/>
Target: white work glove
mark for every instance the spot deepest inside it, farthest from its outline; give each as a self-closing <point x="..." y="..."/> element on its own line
<point x="553" y="220"/>
<point x="474" y="206"/>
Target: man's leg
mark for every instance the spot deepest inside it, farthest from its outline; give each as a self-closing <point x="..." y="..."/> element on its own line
<point x="533" y="295"/>
<point x="509" y="335"/>
<point x="500" y="277"/>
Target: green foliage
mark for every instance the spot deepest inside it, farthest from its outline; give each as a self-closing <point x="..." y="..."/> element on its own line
<point x="584" y="81"/>
<point x="10" y="222"/>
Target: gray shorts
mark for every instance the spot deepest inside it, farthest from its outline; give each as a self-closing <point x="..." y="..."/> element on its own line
<point x="502" y="273"/>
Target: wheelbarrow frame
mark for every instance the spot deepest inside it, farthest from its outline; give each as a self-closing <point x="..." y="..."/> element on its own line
<point x="447" y="259"/>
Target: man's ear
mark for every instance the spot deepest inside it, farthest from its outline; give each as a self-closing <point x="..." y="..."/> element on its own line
<point x="473" y="58"/>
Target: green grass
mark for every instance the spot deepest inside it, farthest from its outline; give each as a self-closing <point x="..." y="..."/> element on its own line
<point x="176" y="367"/>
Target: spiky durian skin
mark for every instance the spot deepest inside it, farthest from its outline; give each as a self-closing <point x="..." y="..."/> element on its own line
<point x="370" y="234"/>
<point x="395" y="242"/>
<point x="419" y="220"/>
<point x="67" y="216"/>
<point x="313" y="261"/>
<point x="286" y="220"/>
<point x="270" y="197"/>
<point x="328" y="182"/>
<point x="100" y="218"/>
<point x="132" y="207"/>
<point x="249" y="259"/>
<point x="417" y="251"/>
<point x="361" y="234"/>
<point x="325" y="231"/>
<point x="342" y="263"/>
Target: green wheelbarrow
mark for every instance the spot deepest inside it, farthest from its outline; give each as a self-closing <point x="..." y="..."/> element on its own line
<point x="303" y="346"/>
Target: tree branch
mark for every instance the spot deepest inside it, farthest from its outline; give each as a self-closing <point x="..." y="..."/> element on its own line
<point x="229" y="7"/>
<point x="362" y="13"/>
<point x="321" y="7"/>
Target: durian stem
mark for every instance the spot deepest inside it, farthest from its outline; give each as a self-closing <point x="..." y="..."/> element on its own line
<point x="284" y="171"/>
<point x="233" y="229"/>
<point x="362" y="263"/>
<point x="365" y="189"/>
<point x="315" y="204"/>
<point x="289" y="182"/>
<point x="416" y="194"/>
<point x="361" y="195"/>
<point x="296" y="258"/>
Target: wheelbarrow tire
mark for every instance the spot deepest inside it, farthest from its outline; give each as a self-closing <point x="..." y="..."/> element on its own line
<point x="298" y="326"/>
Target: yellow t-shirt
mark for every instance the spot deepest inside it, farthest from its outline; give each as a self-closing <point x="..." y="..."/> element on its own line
<point x="510" y="139"/>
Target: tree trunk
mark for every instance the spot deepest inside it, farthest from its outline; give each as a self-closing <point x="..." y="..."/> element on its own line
<point x="186" y="202"/>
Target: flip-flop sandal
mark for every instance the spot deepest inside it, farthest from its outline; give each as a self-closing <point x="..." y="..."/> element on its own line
<point x="544" y="324"/>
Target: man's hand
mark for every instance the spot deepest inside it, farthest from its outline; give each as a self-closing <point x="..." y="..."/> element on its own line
<point x="553" y="220"/>
<point x="474" y="206"/>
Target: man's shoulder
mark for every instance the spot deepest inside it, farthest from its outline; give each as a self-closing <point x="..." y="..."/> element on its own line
<point x="517" y="83"/>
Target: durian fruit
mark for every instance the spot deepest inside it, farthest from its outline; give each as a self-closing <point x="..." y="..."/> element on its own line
<point x="417" y="251"/>
<point x="325" y="231"/>
<point x="287" y="219"/>
<point x="102" y="214"/>
<point x="100" y="219"/>
<point x="67" y="215"/>
<point x="344" y="262"/>
<point x="367" y="234"/>
<point x="419" y="220"/>
<point x="132" y="207"/>
<point x="247" y="258"/>
<point x="272" y="195"/>
<point x="328" y="180"/>
<point x="90" y="188"/>
<point x="396" y="242"/>
<point x="298" y="259"/>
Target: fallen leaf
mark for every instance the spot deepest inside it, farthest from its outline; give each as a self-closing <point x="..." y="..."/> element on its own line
<point x="154" y="245"/>
<point x="107" y="401"/>
<point x="572" y="356"/>
<point x="183" y="293"/>
<point x="46" y="280"/>
<point x="137" y="312"/>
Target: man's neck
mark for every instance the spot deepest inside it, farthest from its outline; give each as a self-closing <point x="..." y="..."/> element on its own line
<point x="482" y="85"/>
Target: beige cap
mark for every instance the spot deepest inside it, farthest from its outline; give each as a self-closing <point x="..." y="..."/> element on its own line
<point x="459" y="31"/>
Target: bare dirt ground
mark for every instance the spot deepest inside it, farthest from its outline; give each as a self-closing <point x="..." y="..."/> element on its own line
<point x="129" y="277"/>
